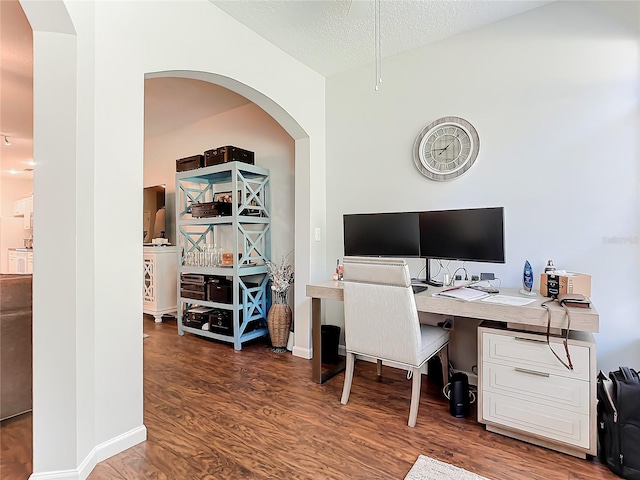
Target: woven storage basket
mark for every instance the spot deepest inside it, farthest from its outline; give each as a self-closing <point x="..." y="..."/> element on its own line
<point x="279" y="320"/>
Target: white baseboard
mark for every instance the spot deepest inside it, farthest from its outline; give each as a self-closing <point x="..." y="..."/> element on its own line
<point x="301" y="352"/>
<point x="98" y="454"/>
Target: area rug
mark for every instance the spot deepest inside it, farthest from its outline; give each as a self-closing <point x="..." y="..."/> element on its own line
<point x="427" y="468"/>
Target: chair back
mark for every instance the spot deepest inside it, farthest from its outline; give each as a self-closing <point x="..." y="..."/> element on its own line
<point x="381" y="318"/>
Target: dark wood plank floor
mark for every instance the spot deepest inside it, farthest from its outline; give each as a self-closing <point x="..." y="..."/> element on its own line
<point x="214" y="413"/>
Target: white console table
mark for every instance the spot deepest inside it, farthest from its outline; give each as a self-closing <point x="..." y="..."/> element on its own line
<point x="160" y="281"/>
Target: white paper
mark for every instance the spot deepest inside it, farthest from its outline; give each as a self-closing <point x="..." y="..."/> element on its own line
<point x="508" y="300"/>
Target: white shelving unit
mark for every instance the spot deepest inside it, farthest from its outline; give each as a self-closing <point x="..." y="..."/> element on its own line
<point x="245" y="233"/>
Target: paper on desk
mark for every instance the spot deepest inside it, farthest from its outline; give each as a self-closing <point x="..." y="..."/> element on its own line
<point x="508" y="300"/>
<point x="462" y="293"/>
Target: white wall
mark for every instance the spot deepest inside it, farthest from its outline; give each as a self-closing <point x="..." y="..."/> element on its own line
<point x="90" y="61"/>
<point x="247" y="127"/>
<point x="553" y="94"/>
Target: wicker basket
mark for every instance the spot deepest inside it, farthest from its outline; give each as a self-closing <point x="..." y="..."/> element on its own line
<point x="279" y="320"/>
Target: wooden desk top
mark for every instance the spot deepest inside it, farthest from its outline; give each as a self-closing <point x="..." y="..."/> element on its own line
<point x="586" y="320"/>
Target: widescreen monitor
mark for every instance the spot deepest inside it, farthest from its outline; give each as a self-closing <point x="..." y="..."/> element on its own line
<point x="382" y="234"/>
<point x="475" y="234"/>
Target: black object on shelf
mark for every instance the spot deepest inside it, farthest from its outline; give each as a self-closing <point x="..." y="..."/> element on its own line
<point x="330" y="335"/>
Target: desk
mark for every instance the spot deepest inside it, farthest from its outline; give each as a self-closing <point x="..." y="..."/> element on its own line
<point x="531" y="317"/>
<point x="570" y="396"/>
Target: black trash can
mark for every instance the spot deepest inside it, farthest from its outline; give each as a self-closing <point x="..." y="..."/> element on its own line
<point x="330" y="337"/>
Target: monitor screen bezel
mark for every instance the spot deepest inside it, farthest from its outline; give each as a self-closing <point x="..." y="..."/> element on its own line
<point x="390" y="251"/>
<point x="429" y="253"/>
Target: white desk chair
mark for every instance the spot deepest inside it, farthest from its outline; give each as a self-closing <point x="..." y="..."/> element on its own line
<point x="381" y="322"/>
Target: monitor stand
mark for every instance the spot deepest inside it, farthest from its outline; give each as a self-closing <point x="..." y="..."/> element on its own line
<point x="428" y="280"/>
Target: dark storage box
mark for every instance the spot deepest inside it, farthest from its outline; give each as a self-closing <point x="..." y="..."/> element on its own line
<point x="196" y="317"/>
<point x="189" y="163"/>
<point x="210" y="209"/>
<point x="226" y="154"/>
<point x="196" y="295"/>
<point x="221" y="321"/>
<point x="196" y="278"/>
<point x="220" y="290"/>
<point x="193" y="285"/>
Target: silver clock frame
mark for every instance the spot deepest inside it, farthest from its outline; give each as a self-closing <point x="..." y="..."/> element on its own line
<point x="451" y="169"/>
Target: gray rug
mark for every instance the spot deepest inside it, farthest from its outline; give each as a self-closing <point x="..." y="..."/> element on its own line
<point x="427" y="468"/>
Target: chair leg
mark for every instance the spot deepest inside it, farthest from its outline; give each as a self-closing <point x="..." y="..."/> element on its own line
<point x="379" y="367"/>
<point x="443" y="354"/>
<point x="348" y="377"/>
<point x="415" y="397"/>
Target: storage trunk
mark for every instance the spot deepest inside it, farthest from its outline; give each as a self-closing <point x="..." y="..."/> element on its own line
<point x="189" y="163"/>
<point x="226" y="154"/>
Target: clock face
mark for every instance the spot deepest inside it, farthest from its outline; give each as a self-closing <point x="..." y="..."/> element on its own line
<point x="446" y="148"/>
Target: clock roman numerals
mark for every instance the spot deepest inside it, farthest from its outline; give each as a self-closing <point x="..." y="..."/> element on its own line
<point x="446" y="148"/>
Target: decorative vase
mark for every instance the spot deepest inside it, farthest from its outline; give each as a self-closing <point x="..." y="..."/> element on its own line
<point x="279" y="321"/>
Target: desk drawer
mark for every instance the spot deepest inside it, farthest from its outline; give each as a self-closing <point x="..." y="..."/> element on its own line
<point x="530" y="386"/>
<point x="531" y="352"/>
<point x="536" y="419"/>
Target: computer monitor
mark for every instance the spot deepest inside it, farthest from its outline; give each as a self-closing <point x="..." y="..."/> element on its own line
<point x="382" y="234"/>
<point x="475" y="234"/>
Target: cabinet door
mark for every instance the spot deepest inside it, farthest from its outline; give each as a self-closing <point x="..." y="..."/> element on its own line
<point x="13" y="261"/>
<point x="149" y="292"/>
<point x="30" y="262"/>
<point x="28" y="212"/>
<point x="18" y="207"/>
<point x="21" y="262"/>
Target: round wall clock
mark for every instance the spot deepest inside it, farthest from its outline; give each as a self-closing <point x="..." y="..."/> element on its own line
<point x="446" y="148"/>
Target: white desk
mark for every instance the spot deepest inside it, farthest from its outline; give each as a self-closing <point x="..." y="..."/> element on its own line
<point x="531" y="317"/>
<point x="528" y="317"/>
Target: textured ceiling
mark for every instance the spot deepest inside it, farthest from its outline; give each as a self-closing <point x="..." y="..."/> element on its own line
<point x="331" y="36"/>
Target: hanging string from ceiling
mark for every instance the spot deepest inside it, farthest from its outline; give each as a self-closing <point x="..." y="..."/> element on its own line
<point x="377" y="44"/>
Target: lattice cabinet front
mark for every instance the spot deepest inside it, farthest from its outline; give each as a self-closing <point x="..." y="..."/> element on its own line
<point x="159" y="281"/>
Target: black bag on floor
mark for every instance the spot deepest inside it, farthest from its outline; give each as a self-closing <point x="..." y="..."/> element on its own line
<point x="619" y="422"/>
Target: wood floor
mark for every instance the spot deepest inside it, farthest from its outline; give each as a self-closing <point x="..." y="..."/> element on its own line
<point x="214" y="413"/>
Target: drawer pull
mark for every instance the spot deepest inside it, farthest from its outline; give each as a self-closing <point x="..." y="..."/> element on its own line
<point x="531" y="372"/>
<point x="520" y="339"/>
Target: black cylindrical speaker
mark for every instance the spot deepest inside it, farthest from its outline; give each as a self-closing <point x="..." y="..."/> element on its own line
<point x="459" y="395"/>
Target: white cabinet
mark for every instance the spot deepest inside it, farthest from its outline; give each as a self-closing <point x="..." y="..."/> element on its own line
<point x="159" y="281"/>
<point x="30" y="261"/>
<point x="524" y="392"/>
<point x="13" y="261"/>
<point x="20" y="260"/>
<point x="24" y="208"/>
<point x="19" y="207"/>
